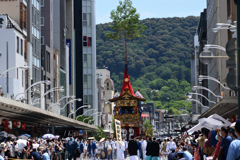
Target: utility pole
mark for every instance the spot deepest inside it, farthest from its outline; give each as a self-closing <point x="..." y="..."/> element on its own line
<point x="7" y="73"/>
<point x="237" y="2"/>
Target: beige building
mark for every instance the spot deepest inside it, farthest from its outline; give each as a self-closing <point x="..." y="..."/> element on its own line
<point x="220" y="12"/>
<point x="105" y="91"/>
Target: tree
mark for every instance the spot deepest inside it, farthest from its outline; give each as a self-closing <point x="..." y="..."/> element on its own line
<point x="125" y="24"/>
<point x="98" y="134"/>
<point x="148" y="127"/>
<point x="87" y="119"/>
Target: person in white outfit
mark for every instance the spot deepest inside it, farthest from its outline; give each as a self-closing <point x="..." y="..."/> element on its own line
<point x="126" y="147"/>
<point x="144" y="147"/>
<point x="171" y="145"/>
<point x="120" y="150"/>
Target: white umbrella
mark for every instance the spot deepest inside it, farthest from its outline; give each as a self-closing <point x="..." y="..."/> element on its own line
<point x="21" y="143"/>
<point x="212" y="122"/>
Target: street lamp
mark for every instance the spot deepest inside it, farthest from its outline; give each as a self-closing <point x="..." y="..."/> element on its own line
<point x="200" y="87"/>
<point x="93" y="119"/>
<point x="78" y="99"/>
<point x="92" y="115"/>
<point x="201" y="77"/>
<point x="47" y="82"/>
<point x="52" y="105"/>
<point x="89" y="106"/>
<point x="49" y="91"/>
<point x="220" y="26"/>
<point x="20" y="67"/>
<point x="66" y="97"/>
<point x="203" y="97"/>
<point x="86" y="112"/>
<point x="197" y="102"/>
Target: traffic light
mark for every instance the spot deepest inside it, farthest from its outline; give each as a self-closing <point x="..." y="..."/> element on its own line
<point x="231" y="78"/>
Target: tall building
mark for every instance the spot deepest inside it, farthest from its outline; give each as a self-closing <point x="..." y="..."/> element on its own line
<point x="11" y="56"/>
<point x="217" y="13"/>
<point x="59" y="44"/>
<point x="85" y="54"/>
<point x="34" y="46"/>
<point x="26" y="14"/>
<point x="46" y="22"/>
<point x="70" y="40"/>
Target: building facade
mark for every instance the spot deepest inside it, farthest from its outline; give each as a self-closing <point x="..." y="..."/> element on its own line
<point x="46" y="22"/>
<point x="85" y="54"/>
<point x="12" y="56"/>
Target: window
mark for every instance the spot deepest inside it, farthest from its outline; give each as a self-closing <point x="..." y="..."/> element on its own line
<point x="42" y="21"/>
<point x="89" y="81"/>
<point x="107" y="86"/>
<point x="17" y="44"/>
<point x="21" y="47"/>
<point x="42" y="40"/>
<point x="85" y="78"/>
<point x="42" y="3"/>
<point x="85" y="16"/>
<point x="85" y="99"/>
<point x="89" y="19"/>
<point x="87" y="41"/>
<point x="85" y="57"/>
<point x="17" y="73"/>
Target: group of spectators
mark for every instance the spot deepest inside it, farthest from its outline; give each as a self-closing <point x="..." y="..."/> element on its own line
<point x="220" y="144"/>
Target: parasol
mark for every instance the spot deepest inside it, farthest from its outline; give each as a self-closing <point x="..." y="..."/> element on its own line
<point x="26" y="135"/>
<point x="23" y="137"/>
<point x="101" y="140"/>
<point x="48" y="136"/>
<point x="91" y="138"/>
<point x="12" y="136"/>
<point x="21" y="143"/>
<point x="56" y="137"/>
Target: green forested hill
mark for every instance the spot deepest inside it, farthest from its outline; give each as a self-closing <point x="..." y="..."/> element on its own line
<point x="158" y="64"/>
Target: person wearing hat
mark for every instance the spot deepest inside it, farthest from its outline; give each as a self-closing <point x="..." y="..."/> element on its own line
<point x="91" y="149"/>
<point x="234" y="148"/>
<point x="3" y="149"/>
<point x="132" y="149"/>
<point x="173" y="155"/>
<point x="45" y="155"/>
<point x="186" y="154"/>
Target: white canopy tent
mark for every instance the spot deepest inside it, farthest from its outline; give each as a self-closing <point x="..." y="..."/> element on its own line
<point x="212" y="122"/>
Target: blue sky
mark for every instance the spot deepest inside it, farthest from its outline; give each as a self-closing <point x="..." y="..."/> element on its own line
<point x="152" y="8"/>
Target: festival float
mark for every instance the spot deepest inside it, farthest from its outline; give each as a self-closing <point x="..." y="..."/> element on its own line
<point x="127" y="109"/>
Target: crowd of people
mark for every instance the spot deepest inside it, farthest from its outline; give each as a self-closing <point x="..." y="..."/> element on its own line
<point x="219" y="144"/>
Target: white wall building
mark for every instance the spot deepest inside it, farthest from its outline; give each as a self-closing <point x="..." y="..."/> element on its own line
<point x="11" y="44"/>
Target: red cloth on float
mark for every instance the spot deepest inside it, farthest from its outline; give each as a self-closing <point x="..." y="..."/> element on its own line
<point x="127" y="83"/>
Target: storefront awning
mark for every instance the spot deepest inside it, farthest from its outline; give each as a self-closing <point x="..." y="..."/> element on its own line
<point x="226" y="108"/>
<point x="34" y="116"/>
<point x="144" y="115"/>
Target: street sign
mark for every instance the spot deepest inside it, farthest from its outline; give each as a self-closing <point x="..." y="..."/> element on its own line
<point x="80" y="132"/>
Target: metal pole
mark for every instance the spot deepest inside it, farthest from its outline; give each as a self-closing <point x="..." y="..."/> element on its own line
<point x="238" y="53"/>
<point x="7" y="73"/>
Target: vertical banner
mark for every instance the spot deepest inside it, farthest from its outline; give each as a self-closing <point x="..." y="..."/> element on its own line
<point x="118" y="130"/>
<point x="69" y="44"/>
